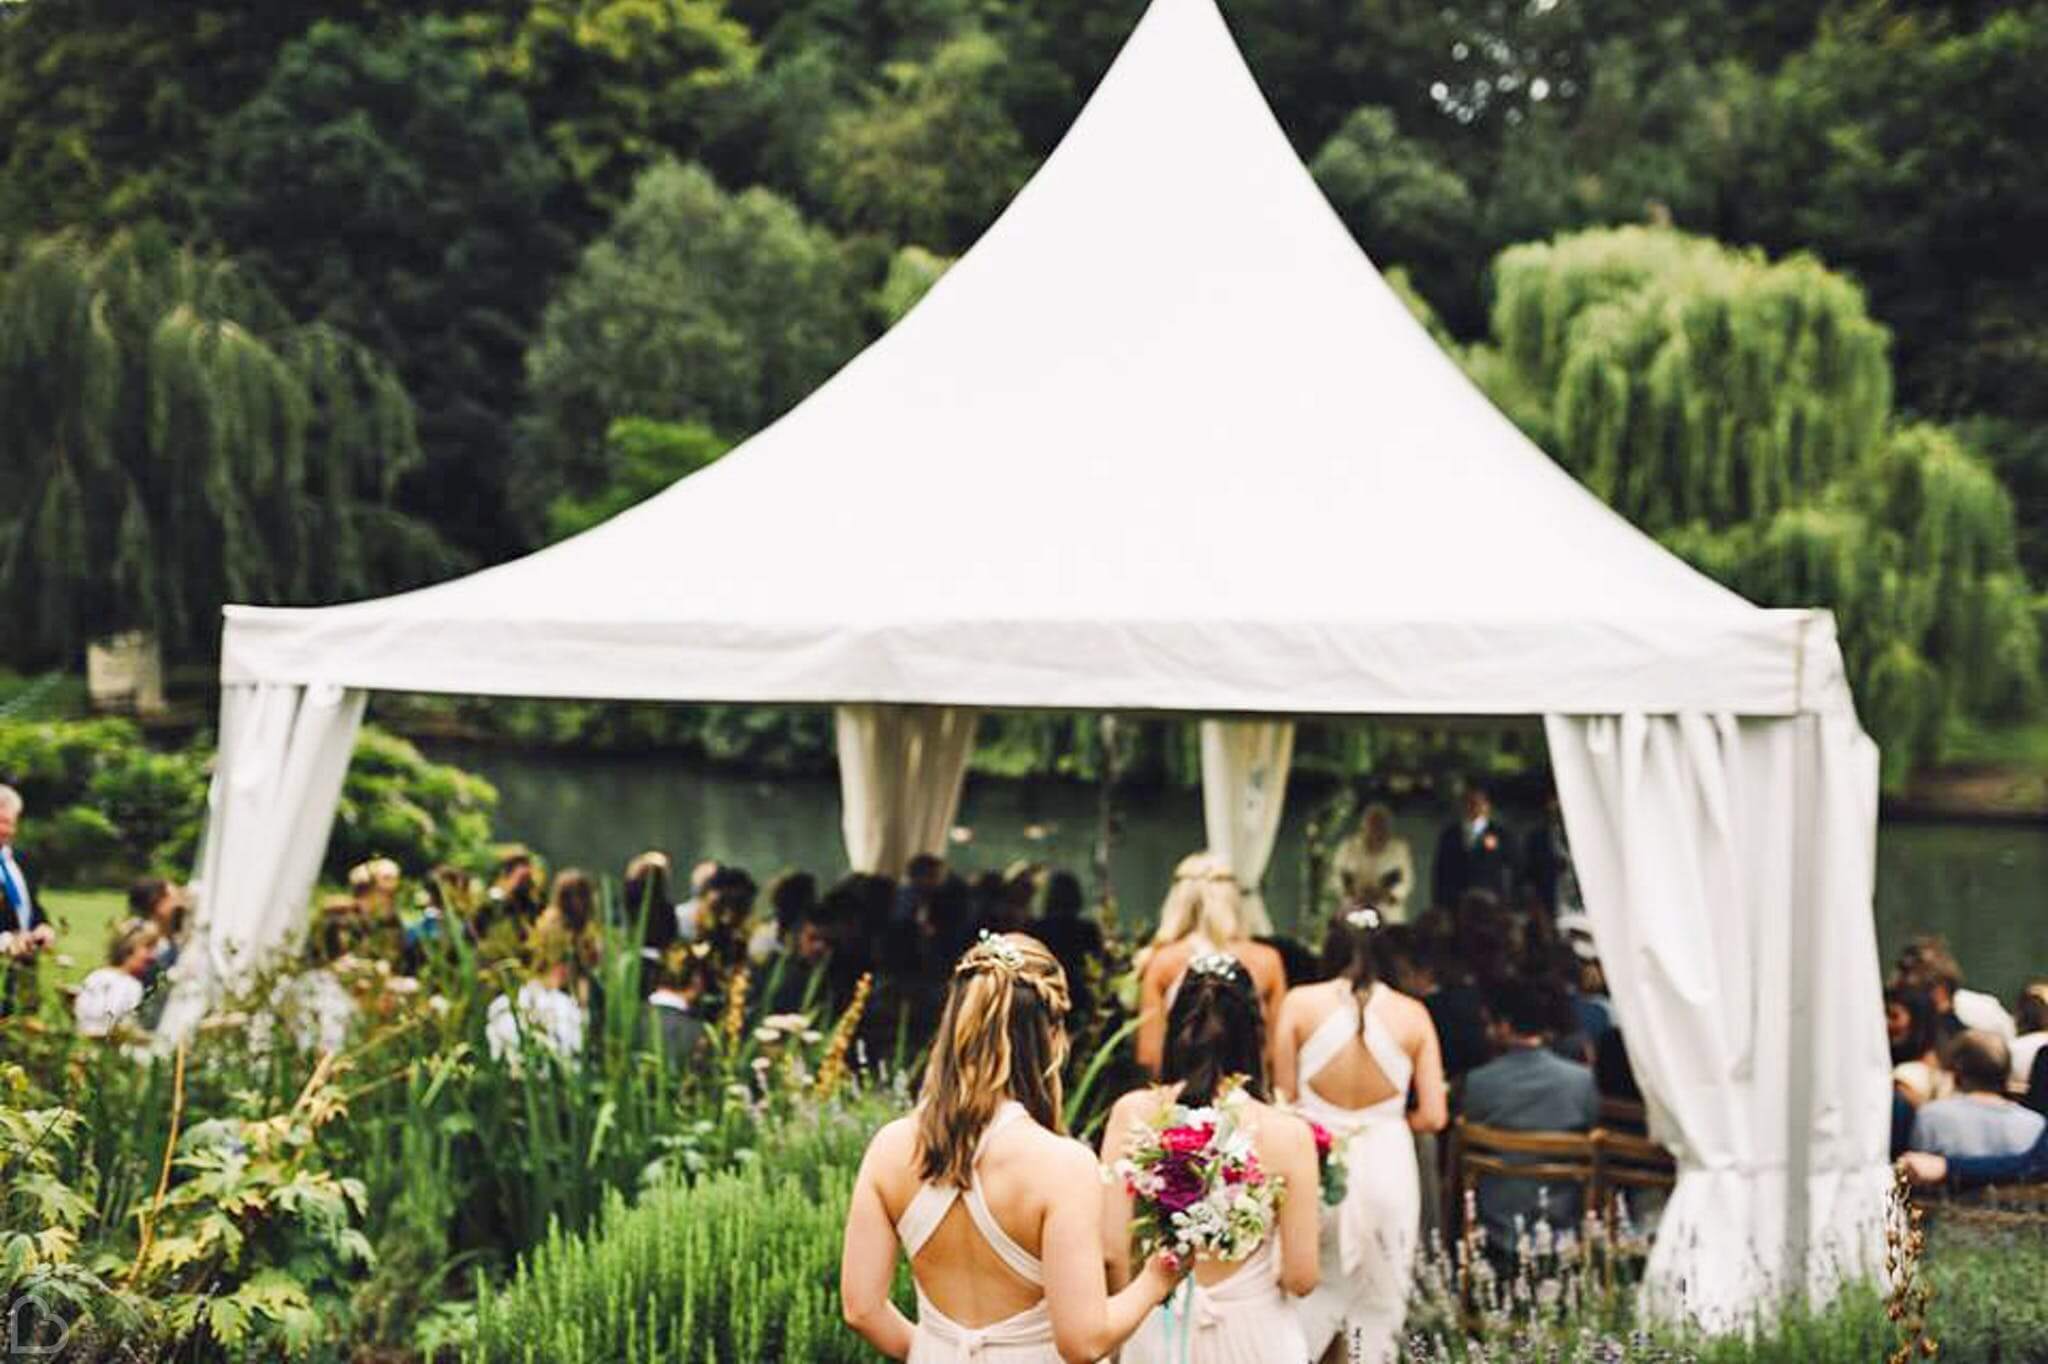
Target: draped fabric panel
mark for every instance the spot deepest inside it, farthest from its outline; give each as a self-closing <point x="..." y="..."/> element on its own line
<point x="901" y="770"/>
<point x="284" y="753"/>
<point x="1244" y="791"/>
<point x="1727" y="866"/>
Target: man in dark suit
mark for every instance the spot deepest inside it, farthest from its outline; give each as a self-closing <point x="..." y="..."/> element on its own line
<point x="1528" y="1087"/>
<point x="25" y="930"/>
<point x="1473" y="854"/>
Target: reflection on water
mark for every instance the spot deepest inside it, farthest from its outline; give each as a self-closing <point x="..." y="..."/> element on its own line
<point x="1982" y="886"/>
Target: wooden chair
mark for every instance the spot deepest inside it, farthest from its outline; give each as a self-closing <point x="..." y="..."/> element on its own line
<point x="1629" y="1162"/>
<point x="1624" y="1115"/>
<point x="1553" y="1158"/>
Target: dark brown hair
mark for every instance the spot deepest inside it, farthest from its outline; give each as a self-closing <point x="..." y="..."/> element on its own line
<point x="1215" y="1030"/>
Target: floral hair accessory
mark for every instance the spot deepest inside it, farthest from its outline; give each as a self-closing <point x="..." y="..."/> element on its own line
<point x="1219" y="964"/>
<point x="1365" y="918"/>
<point x="997" y="948"/>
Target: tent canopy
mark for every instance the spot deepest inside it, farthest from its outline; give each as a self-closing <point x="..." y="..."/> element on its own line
<point x="1165" y="440"/>
<point x="1162" y="439"/>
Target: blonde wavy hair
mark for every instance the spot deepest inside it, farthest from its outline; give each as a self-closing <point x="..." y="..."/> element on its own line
<point x="1003" y="1036"/>
<point x="1203" y="900"/>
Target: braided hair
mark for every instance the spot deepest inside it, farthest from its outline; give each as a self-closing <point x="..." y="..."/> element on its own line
<point x="1002" y="1036"/>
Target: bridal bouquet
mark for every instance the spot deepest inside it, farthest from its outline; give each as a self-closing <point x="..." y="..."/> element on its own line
<point x="1196" y="1186"/>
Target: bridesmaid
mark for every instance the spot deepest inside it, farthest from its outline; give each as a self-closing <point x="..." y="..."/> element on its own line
<point x="999" y="1214"/>
<point x="1242" y="1312"/>
<point x="1203" y="913"/>
<point x="1350" y="1052"/>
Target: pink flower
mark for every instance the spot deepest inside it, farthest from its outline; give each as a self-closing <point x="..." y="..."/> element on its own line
<point x="1186" y="1141"/>
<point x="1324" y="1141"/>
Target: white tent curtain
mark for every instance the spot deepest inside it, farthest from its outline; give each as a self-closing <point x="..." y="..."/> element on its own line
<point x="284" y="753"/>
<point x="1727" y="866"/>
<point x="901" y="770"/>
<point x="1244" y="791"/>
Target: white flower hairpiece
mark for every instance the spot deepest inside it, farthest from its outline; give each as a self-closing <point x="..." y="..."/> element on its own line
<point x="1365" y="918"/>
<point x="1002" y="949"/>
<point x="1213" y="964"/>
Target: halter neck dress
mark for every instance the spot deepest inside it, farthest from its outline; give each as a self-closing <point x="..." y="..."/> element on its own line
<point x="1025" y="1338"/>
<point x="1369" y="1240"/>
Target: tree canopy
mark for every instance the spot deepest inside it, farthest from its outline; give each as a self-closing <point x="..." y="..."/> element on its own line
<point x="174" y="439"/>
<point x="1741" y="409"/>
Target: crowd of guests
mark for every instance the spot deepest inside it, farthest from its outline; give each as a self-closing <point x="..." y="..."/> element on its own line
<point x="1969" y="1077"/>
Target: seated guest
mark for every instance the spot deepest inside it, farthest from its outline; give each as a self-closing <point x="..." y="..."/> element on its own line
<point x="569" y="928"/>
<point x="921" y="876"/>
<point x="1909" y="1021"/>
<point x="672" y="1005"/>
<point x="1980" y="1120"/>
<point x="1461" y="967"/>
<point x="791" y="897"/>
<point x="160" y="903"/>
<point x="1613" y="1076"/>
<point x="647" y="904"/>
<point x="543" y="1014"/>
<point x="111" y="996"/>
<point x="430" y="936"/>
<point x="690" y="913"/>
<point x="1527" y="1087"/>
<point x="1970" y="1172"/>
<point x="2030" y="1019"/>
<point x="724" y="918"/>
<point x="1594" y="1009"/>
<point x="1075" y="940"/>
<point x="514" y="893"/>
<point x="373" y="885"/>
<point x="1927" y="963"/>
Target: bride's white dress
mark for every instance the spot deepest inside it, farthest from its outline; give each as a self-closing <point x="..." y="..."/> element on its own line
<point x="1369" y="1240"/>
<point x="1245" y="1319"/>
<point x="1025" y="1338"/>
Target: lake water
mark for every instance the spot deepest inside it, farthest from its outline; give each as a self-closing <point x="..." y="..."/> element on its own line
<point x="1984" y="886"/>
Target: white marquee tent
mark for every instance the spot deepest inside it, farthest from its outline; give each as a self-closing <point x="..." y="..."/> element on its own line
<point x="1164" y="440"/>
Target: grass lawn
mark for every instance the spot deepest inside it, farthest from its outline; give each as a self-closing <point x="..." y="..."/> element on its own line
<point x="85" y="920"/>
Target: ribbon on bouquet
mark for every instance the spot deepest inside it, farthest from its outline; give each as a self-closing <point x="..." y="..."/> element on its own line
<point x="1180" y="1321"/>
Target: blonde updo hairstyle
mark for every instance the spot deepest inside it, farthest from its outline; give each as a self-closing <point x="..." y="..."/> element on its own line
<point x="1203" y="901"/>
<point x="1003" y="1035"/>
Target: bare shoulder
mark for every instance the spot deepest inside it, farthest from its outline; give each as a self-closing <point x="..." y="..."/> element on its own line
<point x="1285" y="1134"/>
<point x="1261" y="958"/>
<point x="1167" y="962"/>
<point x="1131" y="1109"/>
<point x="894" y="1144"/>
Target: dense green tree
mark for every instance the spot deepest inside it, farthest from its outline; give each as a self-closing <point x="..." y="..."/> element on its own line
<point x="696" y="306"/>
<point x="646" y="457"/>
<point x="1910" y="153"/>
<point x="381" y="186"/>
<point x="1741" y="410"/>
<point x="174" y="441"/>
<point x="930" y="159"/>
<point x="616" y="85"/>
<point x="106" y="105"/>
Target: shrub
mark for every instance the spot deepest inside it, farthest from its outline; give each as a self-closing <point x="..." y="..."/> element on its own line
<point x="740" y="1265"/>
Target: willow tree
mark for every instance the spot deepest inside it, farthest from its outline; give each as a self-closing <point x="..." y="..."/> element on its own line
<point x="173" y="441"/>
<point x="1741" y="410"/>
